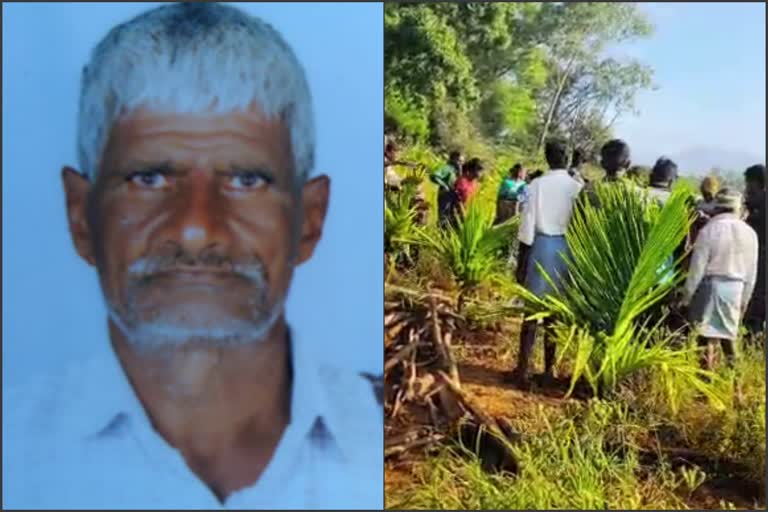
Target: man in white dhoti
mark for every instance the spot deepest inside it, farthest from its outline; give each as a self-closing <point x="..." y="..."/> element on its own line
<point x="721" y="277"/>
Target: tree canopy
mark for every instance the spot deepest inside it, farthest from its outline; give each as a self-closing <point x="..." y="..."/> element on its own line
<point x="510" y="74"/>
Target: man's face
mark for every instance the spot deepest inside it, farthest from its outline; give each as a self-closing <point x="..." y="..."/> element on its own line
<point x="195" y="224"/>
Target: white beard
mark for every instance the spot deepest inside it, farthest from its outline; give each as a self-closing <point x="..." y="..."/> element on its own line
<point x="169" y="333"/>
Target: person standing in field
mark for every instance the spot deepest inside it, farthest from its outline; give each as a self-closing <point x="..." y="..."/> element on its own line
<point x="392" y="180"/>
<point x="542" y="241"/>
<point x="663" y="176"/>
<point x="708" y="188"/>
<point x="615" y="160"/>
<point x="705" y="205"/>
<point x="535" y="174"/>
<point x="755" y="201"/>
<point x="445" y="179"/>
<point x="721" y="277"/>
<point x="512" y="193"/>
<point x="577" y="160"/>
<point x="468" y="183"/>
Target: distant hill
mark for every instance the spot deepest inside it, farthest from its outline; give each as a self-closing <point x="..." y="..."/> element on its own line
<point x="700" y="160"/>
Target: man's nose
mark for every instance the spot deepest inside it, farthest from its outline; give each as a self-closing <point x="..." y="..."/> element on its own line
<point x="199" y="222"/>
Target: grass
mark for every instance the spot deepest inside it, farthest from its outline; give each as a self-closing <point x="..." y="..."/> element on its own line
<point x="735" y="432"/>
<point x="564" y="466"/>
<point x="589" y="455"/>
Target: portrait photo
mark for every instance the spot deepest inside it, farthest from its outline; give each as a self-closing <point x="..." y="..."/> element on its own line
<point x="192" y="255"/>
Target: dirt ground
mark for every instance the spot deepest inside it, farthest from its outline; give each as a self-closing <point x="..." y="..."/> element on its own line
<point x="485" y="357"/>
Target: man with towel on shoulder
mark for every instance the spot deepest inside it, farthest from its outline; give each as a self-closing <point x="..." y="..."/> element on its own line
<point x="542" y="240"/>
<point x="722" y="276"/>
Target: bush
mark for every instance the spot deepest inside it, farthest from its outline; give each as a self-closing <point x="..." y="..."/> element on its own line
<point x="473" y="248"/>
<point x="406" y="117"/>
<point x="617" y="251"/>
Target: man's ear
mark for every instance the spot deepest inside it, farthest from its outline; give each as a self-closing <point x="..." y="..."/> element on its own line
<point x="76" y="188"/>
<point x="314" y="200"/>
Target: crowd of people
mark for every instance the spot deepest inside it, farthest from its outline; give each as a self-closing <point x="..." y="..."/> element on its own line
<point x="725" y="285"/>
<point x="725" y="248"/>
<point x="457" y="182"/>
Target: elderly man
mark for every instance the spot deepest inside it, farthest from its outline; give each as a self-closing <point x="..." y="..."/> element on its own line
<point x="721" y="277"/>
<point x="194" y="204"/>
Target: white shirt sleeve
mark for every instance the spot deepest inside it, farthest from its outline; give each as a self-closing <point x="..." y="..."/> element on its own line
<point x="751" y="277"/>
<point x="698" y="265"/>
<point x="527" y="229"/>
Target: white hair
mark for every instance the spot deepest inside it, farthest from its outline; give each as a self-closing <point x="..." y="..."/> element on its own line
<point x="193" y="58"/>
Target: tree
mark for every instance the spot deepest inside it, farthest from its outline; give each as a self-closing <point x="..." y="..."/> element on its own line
<point x="424" y="60"/>
<point x="580" y="81"/>
<point x="509" y="73"/>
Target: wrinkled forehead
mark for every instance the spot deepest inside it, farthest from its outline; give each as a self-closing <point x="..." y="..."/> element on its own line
<point x="207" y="140"/>
<point x="193" y="58"/>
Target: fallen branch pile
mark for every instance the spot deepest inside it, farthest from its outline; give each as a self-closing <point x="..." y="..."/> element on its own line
<point x="423" y="401"/>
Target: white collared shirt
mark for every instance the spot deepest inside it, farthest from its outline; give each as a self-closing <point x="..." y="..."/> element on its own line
<point x="549" y="206"/>
<point x="725" y="247"/>
<point x="82" y="440"/>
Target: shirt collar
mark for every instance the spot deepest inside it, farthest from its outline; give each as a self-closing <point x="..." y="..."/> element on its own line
<point x="110" y="398"/>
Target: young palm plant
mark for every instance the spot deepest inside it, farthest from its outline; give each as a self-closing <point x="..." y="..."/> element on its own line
<point x="400" y="227"/>
<point x="618" y="270"/>
<point x="472" y="248"/>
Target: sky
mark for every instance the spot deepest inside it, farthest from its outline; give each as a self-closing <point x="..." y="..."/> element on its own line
<point x="52" y="307"/>
<point x="709" y="62"/>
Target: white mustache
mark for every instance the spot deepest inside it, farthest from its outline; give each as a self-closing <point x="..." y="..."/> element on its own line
<point x="145" y="267"/>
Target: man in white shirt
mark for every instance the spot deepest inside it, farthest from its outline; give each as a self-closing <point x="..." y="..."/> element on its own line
<point x="721" y="277"/>
<point x="194" y="204"/>
<point x="544" y="220"/>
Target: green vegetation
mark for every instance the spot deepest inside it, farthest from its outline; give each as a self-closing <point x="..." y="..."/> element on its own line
<point x="508" y="75"/>
<point x="655" y="431"/>
<point x="472" y="249"/>
<point x="606" y="455"/>
<point x="616" y="253"/>
<point x="651" y="398"/>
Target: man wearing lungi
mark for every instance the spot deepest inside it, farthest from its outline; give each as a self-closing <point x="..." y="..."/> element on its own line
<point x="542" y="240"/>
<point x="721" y="277"/>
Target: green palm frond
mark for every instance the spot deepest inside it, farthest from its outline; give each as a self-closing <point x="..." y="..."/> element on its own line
<point x="400" y="228"/>
<point x="473" y="248"/>
<point x="618" y="270"/>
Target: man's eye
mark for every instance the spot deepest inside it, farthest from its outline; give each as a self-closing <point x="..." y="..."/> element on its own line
<point x="247" y="180"/>
<point x="148" y="179"/>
